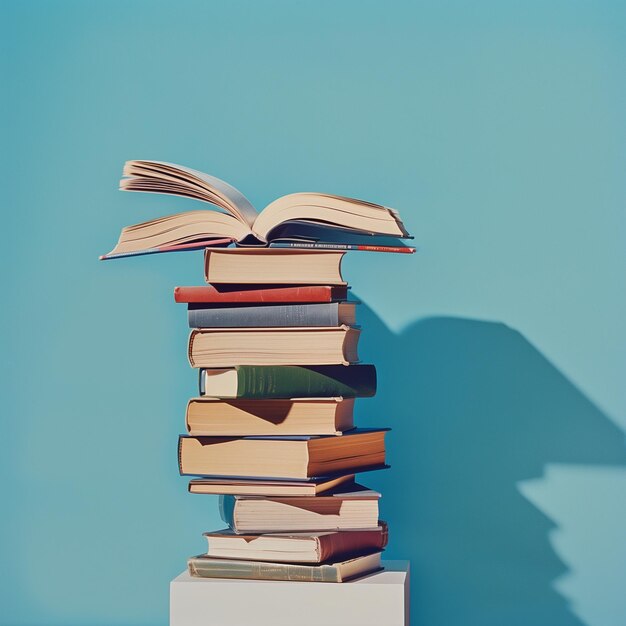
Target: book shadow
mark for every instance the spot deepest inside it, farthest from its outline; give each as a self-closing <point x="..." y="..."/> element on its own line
<point x="475" y="409"/>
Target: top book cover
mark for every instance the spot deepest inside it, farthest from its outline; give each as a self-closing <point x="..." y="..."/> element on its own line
<point x="296" y="220"/>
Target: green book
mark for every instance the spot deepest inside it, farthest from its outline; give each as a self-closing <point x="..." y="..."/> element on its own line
<point x="206" y="567"/>
<point x="289" y="381"/>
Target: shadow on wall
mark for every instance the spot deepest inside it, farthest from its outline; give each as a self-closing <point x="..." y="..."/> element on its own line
<point x="474" y="410"/>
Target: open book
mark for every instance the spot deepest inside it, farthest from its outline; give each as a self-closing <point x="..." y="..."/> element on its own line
<point x="232" y="217"/>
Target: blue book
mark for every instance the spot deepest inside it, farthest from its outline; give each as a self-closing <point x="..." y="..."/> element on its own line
<point x="279" y="315"/>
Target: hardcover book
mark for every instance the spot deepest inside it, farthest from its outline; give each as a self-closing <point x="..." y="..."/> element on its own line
<point x="212" y="417"/>
<point x="279" y="381"/>
<point x="249" y="266"/>
<point x="223" y="347"/>
<point x="206" y="567"/>
<point x="281" y="457"/>
<point x="306" y="547"/>
<point x="274" y="316"/>
<point x="268" y="487"/>
<point x="261" y="294"/>
<point x="344" y="508"/>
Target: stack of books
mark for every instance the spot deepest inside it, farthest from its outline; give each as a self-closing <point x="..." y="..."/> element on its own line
<point x="272" y="430"/>
<point x="274" y="338"/>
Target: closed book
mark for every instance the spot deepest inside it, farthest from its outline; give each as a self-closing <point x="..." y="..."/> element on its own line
<point x="280" y="315"/>
<point x="272" y="265"/>
<point x="267" y="487"/>
<point x="212" y="417"/>
<point x="350" y="507"/>
<point x="306" y="547"/>
<point x="260" y="294"/>
<point x="224" y="347"/>
<point x="297" y="457"/>
<point x="271" y="381"/>
<point x="207" y="567"/>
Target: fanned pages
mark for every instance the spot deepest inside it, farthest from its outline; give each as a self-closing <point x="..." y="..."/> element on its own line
<point x="160" y="177"/>
<point x="234" y="218"/>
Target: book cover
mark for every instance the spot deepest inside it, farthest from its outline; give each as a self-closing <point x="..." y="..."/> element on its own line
<point x="284" y="381"/>
<point x="207" y="567"/>
<point x="285" y="315"/>
<point x="260" y="294"/>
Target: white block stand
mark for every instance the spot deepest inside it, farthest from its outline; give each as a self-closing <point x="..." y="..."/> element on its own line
<point x="380" y="599"/>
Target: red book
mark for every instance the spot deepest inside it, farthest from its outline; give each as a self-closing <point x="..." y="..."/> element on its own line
<point x="261" y="295"/>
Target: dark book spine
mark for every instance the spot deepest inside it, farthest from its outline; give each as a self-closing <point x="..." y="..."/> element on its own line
<point x="201" y="386"/>
<point x="180" y="455"/>
<point x="264" y="316"/>
<point x="227" y="510"/>
<point x="321" y="381"/>
<point x="318" y="381"/>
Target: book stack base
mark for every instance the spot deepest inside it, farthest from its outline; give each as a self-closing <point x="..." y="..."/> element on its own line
<point x="375" y="600"/>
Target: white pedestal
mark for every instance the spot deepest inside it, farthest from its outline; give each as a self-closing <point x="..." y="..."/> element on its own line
<point x="380" y="599"/>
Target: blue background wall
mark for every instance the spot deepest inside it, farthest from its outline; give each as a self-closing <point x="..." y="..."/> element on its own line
<point x="497" y="128"/>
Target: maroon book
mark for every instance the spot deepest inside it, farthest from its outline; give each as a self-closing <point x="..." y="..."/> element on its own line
<point x="261" y="295"/>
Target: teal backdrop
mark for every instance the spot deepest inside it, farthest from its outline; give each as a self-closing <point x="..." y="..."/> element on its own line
<point x="496" y="128"/>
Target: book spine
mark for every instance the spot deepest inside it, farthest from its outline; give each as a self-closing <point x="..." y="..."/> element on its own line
<point x="192" y="336"/>
<point x="206" y="567"/>
<point x="227" y="510"/>
<point x="317" y="245"/>
<point x="271" y="295"/>
<point x="385" y="533"/>
<point x="264" y="316"/>
<point x="180" y="456"/>
<point x="306" y="382"/>
<point x="341" y="544"/>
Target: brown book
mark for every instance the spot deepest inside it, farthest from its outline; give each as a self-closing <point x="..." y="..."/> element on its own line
<point x="351" y="507"/>
<point x="272" y="265"/>
<point x="205" y="567"/>
<point x="211" y="417"/>
<point x="318" y="547"/>
<point x="261" y="487"/>
<point x="225" y="347"/>
<point x="299" y="457"/>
